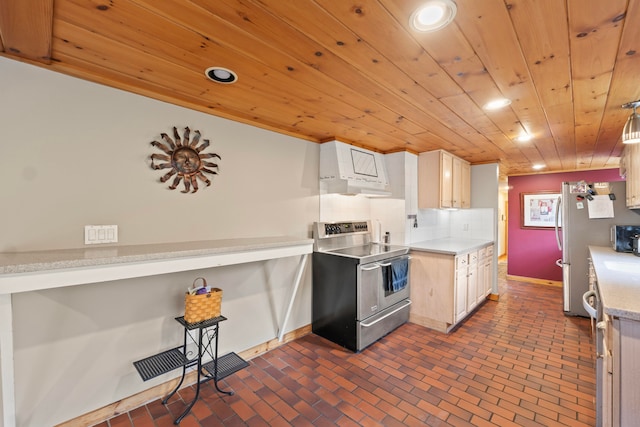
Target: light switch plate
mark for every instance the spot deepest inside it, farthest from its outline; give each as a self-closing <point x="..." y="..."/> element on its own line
<point x="99" y="234"/>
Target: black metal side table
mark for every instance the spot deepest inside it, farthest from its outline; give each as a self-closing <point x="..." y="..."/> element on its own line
<point x="207" y="343"/>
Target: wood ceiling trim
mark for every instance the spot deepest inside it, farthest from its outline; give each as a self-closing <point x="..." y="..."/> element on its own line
<point x="496" y="144"/>
<point x="102" y="46"/>
<point x="91" y="72"/>
<point x="355" y="70"/>
<point x="158" y="80"/>
<point x="372" y="71"/>
<point x="452" y="52"/>
<point x="626" y="69"/>
<point x="350" y="92"/>
<point x="497" y="46"/>
<point x="546" y="51"/>
<point x="354" y="48"/>
<point x="26" y="28"/>
<point x="595" y="33"/>
<point x="345" y="50"/>
<point x="366" y="18"/>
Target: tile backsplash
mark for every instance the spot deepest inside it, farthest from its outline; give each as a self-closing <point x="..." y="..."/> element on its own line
<point x="392" y="212"/>
<point x="462" y="224"/>
<point x="473" y="224"/>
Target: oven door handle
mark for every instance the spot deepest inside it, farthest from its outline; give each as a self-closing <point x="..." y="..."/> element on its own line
<point x="388" y="264"/>
<point x="366" y="325"/>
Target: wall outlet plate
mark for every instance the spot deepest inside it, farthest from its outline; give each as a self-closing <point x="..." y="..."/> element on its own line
<point x="99" y="234"/>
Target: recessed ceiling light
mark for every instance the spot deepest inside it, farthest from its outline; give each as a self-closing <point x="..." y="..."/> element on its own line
<point x="221" y="75"/>
<point x="538" y="166"/>
<point x="433" y="15"/>
<point x="496" y="104"/>
<point x="524" y="137"/>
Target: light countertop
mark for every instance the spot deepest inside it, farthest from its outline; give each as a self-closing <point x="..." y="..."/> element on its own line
<point x="618" y="276"/>
<point x="24" y="262"/>
<point x="451" y="246"/>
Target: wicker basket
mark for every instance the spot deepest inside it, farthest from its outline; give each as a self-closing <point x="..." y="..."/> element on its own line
<point x="198" y="308"/>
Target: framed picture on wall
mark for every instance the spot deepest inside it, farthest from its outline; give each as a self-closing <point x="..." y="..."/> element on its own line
<point x="539" y="209"/>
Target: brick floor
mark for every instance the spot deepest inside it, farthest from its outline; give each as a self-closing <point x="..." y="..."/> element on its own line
<point x="515" y="362"/>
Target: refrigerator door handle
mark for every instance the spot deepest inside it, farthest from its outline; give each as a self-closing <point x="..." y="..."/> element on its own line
<point x="557" y="225"/>
<point x="593" y="312"/>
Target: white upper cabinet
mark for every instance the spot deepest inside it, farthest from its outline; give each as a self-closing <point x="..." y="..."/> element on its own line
<point x="444" y="181"/>
<point x="630" y="168"/>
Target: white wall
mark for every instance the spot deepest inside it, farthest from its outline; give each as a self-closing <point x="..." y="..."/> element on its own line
<point x="502" y="219"/>
<point x="76" y="153"/>
<point x="485" y="194"/>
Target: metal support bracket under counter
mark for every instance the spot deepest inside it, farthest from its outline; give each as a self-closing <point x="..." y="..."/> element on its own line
<point x="32" y="271"/>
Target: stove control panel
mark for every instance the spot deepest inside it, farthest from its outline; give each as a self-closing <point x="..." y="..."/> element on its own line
<point x="345" y="228"/>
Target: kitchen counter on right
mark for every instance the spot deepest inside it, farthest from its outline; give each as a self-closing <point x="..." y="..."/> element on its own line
<point x="450" y="246"/>
<point x="618" y="276"/>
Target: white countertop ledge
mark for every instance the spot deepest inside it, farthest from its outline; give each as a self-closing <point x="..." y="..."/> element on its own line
<point x="28" y="271"/>
<point x="618" y="276"/>
<point x="450" y="246"/>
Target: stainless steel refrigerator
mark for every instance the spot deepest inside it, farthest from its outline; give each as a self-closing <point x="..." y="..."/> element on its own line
<point x="578" y="229"/>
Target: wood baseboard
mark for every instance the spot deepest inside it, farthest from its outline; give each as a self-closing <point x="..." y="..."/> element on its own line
<point x="535" y="281"/>
<point x="161" y="390"/>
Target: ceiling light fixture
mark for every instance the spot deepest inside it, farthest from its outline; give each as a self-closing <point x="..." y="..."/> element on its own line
<point x="524" y="137"/>
<point x="538" y="167"/>
<point x="497" y="104"/>
<point x="221" y="75"/>
<point x="631" y="131"/>
<point x="433" y="15"/>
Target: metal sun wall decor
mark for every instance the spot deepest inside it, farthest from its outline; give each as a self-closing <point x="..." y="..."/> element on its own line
<point x="185" y="159"/>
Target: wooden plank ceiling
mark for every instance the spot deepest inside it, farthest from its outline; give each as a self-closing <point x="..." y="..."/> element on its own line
<point x="355" y="71"/>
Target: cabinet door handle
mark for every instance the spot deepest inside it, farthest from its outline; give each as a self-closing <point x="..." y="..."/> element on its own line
<point x="373" y="267"/>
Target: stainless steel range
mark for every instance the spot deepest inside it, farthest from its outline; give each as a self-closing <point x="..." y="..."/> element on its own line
<point x="360" y="288"/>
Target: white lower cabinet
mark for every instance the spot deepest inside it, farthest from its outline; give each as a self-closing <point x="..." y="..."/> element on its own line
<point x="487" y="278"/>
<point x="445" y="288"/>
<point x="472" y="282"/>
<point x="620" y="380"/>
<point x="460" y="291"/>
<point x="614" y="277"/>
<point x="485" y="273"/>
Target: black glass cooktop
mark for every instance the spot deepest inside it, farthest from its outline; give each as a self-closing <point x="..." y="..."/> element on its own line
<point x="371" y="252"/>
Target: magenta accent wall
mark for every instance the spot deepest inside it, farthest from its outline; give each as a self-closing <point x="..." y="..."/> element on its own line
<point x="533" y="252"/>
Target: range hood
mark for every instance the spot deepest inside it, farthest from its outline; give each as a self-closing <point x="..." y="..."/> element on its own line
<point x="345" y="169"/>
